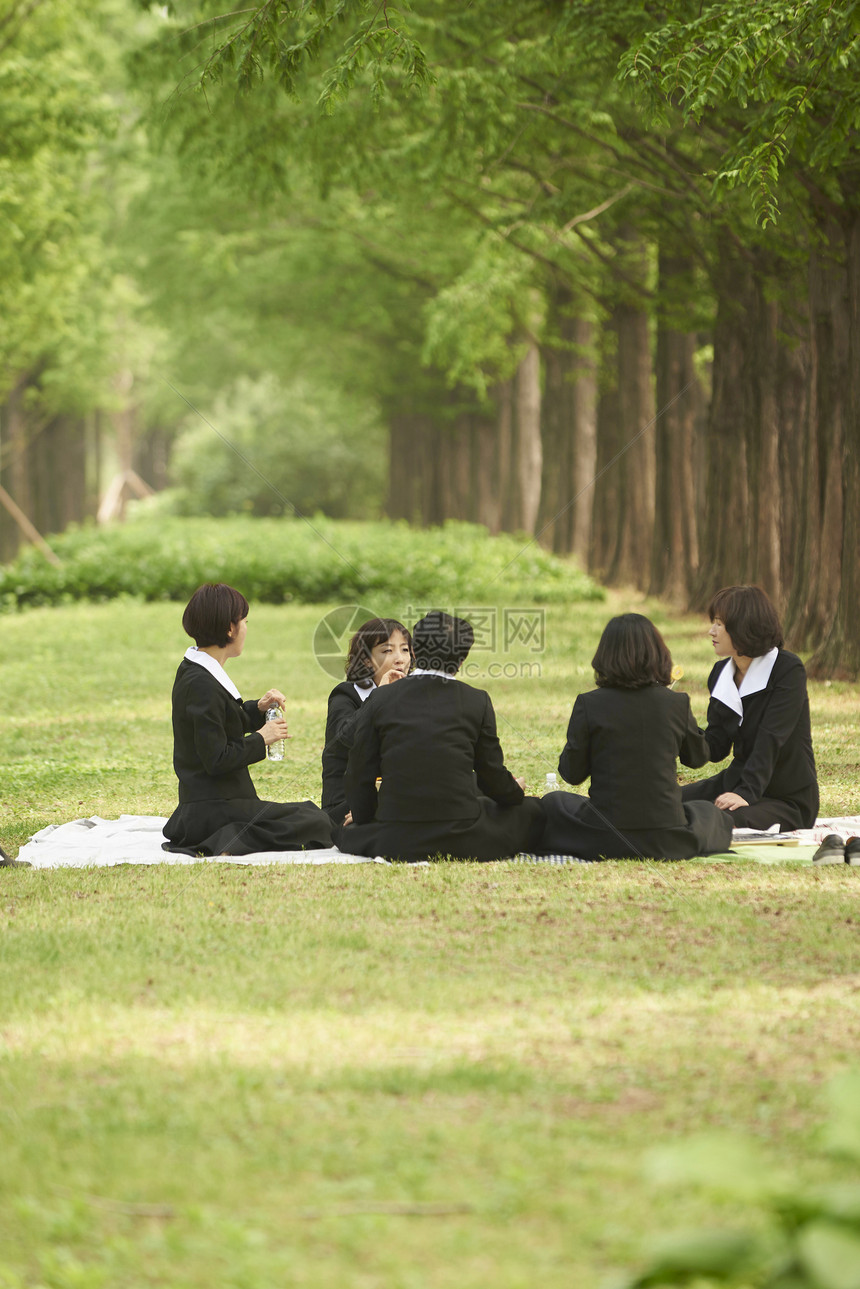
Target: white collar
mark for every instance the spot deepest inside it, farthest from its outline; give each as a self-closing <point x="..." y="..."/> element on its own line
<point x="364" y="694"/>
<point x="208" y="663"/>
<point x="758" y="674"/>
<point x="440" y="675"/>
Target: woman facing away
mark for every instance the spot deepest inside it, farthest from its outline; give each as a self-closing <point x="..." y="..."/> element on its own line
<point x="380" y="653"/>
<point x="758" y="712"/>
<point x="216" y="737"/>
<point x="628" y="734"/>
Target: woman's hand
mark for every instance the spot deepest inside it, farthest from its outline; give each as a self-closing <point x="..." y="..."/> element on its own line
<point x="730" y="801"/>
<point x="272" y="698"/>
<point x="274" y="731"/>
<point x="347" y="819"/>
<point x="390" y="677"/>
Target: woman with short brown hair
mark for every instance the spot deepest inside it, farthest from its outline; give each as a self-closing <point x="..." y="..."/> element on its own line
<point x="216" y="737"/>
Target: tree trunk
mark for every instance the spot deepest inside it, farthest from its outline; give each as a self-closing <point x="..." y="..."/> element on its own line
<point x="636" y="464"/>
<point x="569" y="432"/>
<point x="676" y="552"/>
<point x="17" y="456"/>
<point x="404" y="435"/>
<point x="723" y="538"/>
<point x="487" y="466"/>
<point x="528" y="439"/>
<point x="454" y="453"/>
<point x="557" y="447"/>
<point x="794" y="391"/>
<point x="606" y="485"/>
<point x="584" y="400"/>
<point x="508" y="492"/>
<point x="839" y="654"/>
<point x="14" y="467"/>
<point x="817" y="565"/>
<point x="763" y="450"/>
<point x="59" y="466"/>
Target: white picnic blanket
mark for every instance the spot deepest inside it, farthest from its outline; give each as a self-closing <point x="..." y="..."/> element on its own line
<point x="136" y="839"/>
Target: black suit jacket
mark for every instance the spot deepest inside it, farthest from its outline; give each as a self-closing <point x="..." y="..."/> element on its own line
<point x="773" y="755"/>
<point x="629" y="741"/>
<point x="344" y="705"/>
<point x="211" y="752"/>
<point x="434" y="743"/>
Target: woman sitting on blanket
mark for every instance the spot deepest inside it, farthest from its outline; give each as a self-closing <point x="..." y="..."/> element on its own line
<point x="759" y="711"/>
<point x="216" y="737"/>
<point x="627" y="735"/>
<point x="380" y="653"/>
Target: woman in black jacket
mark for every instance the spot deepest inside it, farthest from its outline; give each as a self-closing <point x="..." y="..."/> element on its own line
<point x="628" y="735"/>
<point x="216" y="737"/>
<point x="379" y="653"/>
<point x="758" y="712"/>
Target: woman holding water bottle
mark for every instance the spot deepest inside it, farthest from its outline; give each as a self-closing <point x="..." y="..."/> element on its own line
<point x="216" y="736"/>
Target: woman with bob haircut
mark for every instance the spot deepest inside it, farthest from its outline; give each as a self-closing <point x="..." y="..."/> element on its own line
<point x="628" y="734"/>
<point x="380" y="653"/>
<point x="758" y="712"/>
<point x="216" y="737"/>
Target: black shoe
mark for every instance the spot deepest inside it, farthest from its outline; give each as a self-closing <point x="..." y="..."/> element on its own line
<point x="831" y="850"/>
<point x="852" y="850"/>
<point x="7" y="862"/>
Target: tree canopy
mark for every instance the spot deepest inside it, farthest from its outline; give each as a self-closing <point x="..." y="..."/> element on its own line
<point x="557" y="265"/>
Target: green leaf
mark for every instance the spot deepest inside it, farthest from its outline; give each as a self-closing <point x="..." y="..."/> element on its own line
<point x="842" y="1131"/>
<point x="718" y="1162"/>
<point x="687" y="1253"/>
<point x="831" y="1255"/>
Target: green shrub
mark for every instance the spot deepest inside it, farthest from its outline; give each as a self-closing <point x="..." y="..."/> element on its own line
<point x="811" y="1238"/>
<point x="277" y="560"/>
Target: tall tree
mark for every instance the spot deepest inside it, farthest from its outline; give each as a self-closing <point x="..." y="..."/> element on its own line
<point x="797" y="66"/>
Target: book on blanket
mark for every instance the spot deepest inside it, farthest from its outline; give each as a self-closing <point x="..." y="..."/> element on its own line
<point x="770" y="836"/>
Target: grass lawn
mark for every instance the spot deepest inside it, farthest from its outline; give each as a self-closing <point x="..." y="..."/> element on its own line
<point x="381" y="1077"/>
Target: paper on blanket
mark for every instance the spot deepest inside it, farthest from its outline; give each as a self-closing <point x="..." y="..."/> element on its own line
<point x="844" y="826"/>
<point x="137" y="839"/>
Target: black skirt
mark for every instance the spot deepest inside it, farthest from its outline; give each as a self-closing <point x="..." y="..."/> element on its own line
<point x="574" y="827"/>
<point x="245" y="826"/>
<point x="497" y="833"/>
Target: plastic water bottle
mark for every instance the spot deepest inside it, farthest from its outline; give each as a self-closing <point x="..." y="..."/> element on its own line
<point x="551" y="783"/>
<point x="275" y="751"/>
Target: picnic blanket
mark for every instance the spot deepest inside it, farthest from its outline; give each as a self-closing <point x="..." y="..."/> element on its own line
<point x="136" y="839"/>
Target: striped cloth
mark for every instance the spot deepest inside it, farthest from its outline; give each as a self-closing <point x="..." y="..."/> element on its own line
<point x="550" y="859"/>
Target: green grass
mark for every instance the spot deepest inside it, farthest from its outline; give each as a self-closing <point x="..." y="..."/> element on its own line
<point x="380" y="1077"/>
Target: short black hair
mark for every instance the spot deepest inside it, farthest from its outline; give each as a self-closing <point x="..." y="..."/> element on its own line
<point x="359" y="667"/>
<point x="750" y="619"/>
<point x="441" y="642"/>
<point x="631" y="654"/>
<point x="211" y="612"/>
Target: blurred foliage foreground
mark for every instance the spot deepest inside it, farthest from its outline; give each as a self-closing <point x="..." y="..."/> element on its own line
<point x="811" y="1239"/>
<point x="275" y="561"/>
